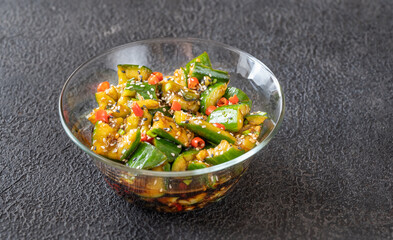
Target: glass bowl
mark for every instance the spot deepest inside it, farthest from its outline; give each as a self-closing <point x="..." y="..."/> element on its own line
<point x="170" y="191"/>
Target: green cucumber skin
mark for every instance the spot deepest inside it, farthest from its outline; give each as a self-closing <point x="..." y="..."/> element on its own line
<point x="143" y="88"/>
<point x="167" y="167"/>
<point x="232" y="153"/>
<point x="196" y="165"/>
<point x="200" y="70"/>
<point x="189" y="95"/>
<point x="162" y="133"/>
<point x="208" y="93"/>
<point x="229" y="116"/>
<point x="136" y="67"/>
<point x="167" y="148"/>
<point x="146" y="156"/>
<point x="209" y="145"/>
<point x="242" y="96"/>
<point x="181" y="162"/>
<point x="133" y="147"/>
<point x="204" y="59"/>
<point x="257" y="118"/>
<point x="206" y="133"/>
<point x="161" y="109"/>
<point x="185" y="72"/>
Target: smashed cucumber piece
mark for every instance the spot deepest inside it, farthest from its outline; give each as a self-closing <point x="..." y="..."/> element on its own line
<point x="203" y="128"/>
<point x="242" y="96"/>
<point x="247" y="139"/>
<point x="223" y="153"/>
<point x="149" y="103"/>
<point x="142" y="89"/>
<point x="170" y="149"/>
<point x="105" y="142"/>
<point x="188" y="94"/>
<point x="199" y="71"/>
<point x="231" y="116"/>
<point x="203" y="59"/>
<point x="256" y="118"/>
<point x="164" y="110"/>
<point x="146" y="156"/>
<point x="187" y="98"/>
<point x="104" y="100"/>
<point x="193" y="165"/>
<point x="181" y="162"/>
<point x="166" y="127"/>
<point x="212" y="95"/>
<point x="128" y="71"/>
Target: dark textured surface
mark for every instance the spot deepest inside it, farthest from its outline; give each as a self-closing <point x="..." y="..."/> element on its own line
<point x="327" y="174"/>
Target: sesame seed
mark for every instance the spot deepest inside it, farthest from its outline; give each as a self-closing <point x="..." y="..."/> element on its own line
<point x="178" y="146"/>
<point x="173" y="154"/>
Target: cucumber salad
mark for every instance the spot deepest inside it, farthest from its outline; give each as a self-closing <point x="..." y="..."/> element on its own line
<point x="186" y="121"/>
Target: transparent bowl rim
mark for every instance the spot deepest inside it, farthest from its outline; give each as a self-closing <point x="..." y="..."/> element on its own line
<point x="203" y="171"/>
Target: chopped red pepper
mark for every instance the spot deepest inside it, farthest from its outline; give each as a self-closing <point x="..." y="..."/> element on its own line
<point x="146" y="138"/>
<point x="234" y="99"/>
<point x="219" y="125"/>
<point x="155" y="78"/>
<point x="210" y="110"/>
<point x="159" y="76"/>
<point x="198" y="142"/>
<point x="176" y="106"/>
<point x="137" y="110"/>
<point x="103" y="86"/>
<point x="193" y="82"/>
<point x="102" y="115"/>
<point x="178" y="206"/>
<point x="222" y="102"/>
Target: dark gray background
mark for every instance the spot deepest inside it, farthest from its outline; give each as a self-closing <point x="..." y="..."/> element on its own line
<point x="327" y="174"/>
